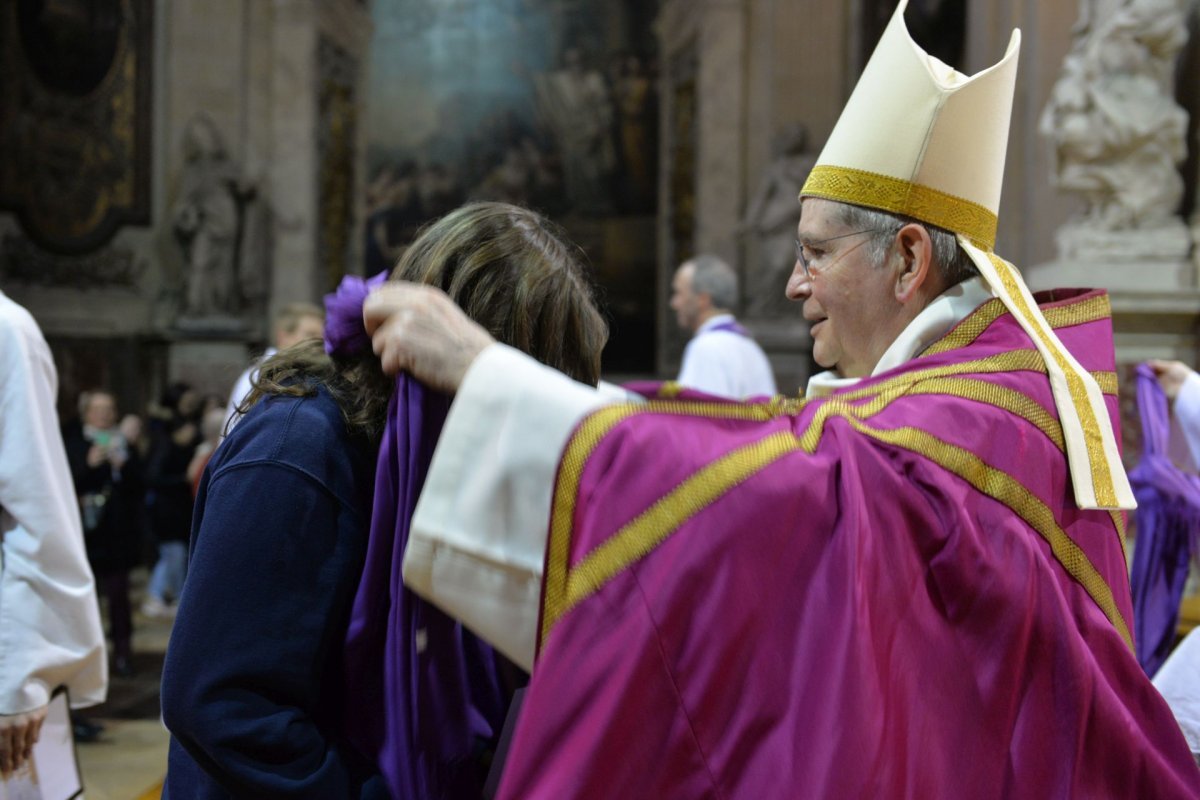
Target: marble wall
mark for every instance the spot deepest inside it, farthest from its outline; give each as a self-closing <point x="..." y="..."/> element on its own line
<point x="734" y="76"/>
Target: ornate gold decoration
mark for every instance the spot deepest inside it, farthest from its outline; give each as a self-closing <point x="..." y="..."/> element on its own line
<point x="966" y="332"/>
<point x="75" y="100"/>
<point x="1093" y="438"/>
<point x="871" y="189"/>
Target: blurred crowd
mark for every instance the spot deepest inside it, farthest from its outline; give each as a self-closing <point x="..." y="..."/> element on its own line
<point x="135" y="477"/>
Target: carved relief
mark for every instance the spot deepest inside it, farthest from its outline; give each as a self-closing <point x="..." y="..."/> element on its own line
<point x="23" y="262"/>
<point x="771" y="218"/>
<point x="1118" y="133"/>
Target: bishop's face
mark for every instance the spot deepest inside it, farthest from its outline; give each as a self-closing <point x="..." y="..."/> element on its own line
<point x="847" y="299"/>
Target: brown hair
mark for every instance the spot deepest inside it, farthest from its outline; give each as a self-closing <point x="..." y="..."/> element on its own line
<point x="511" y="270"/>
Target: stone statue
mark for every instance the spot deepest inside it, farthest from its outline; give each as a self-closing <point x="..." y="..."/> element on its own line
<point x="208" y="222"/>
<point x="772" y="216"/>
<point x="1117" y="132"/>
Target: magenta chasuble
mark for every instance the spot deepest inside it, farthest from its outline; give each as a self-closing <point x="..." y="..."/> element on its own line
<point x="888" y="592"/>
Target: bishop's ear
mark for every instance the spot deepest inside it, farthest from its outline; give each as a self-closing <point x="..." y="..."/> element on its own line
<point x="914" y="250"/>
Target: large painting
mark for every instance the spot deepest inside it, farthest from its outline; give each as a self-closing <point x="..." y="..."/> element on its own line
<point x="75" y="101"/>
<point x="550" y="104"/>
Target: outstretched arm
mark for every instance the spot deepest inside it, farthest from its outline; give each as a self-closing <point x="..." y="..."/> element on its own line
<point x="478" y="536"/>
<point x="1181" y="384"/>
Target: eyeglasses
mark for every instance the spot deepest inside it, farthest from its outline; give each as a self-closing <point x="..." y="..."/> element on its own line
<point x="801" y="246"/>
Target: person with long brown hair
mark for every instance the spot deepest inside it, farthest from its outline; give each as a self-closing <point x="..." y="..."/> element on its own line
<point x="294" y="657"/>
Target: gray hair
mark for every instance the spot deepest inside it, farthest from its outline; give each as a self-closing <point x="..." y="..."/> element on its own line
<point x="950" y="260"/>
<point x="712" y="276"/>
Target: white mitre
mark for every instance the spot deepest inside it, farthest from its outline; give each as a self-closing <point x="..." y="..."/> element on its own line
<point x="921" y="139"/>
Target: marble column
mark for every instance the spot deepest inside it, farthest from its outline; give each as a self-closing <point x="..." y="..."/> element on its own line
<point x="735" y="74"/>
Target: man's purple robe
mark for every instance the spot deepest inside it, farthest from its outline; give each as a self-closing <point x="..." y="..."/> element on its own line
<point x="888" y="592"/>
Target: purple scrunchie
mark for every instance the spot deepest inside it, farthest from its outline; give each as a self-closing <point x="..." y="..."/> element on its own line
<point x="345" y="334"/>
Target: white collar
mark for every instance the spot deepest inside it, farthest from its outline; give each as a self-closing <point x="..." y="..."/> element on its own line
<point x="947" y="310"/>
<point x="714" y="321"/>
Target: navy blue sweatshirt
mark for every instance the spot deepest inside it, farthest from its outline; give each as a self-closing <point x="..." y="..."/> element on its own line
<point x="251" y="688"/>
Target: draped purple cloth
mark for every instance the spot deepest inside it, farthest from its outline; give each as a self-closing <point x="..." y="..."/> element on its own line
<point x="1168" y="529"/>
<point x="422" y="692"/>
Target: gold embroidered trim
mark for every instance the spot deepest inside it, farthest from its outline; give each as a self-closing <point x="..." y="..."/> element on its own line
<point x="657" y="523"/>
<point x="1009" y="361"/>
<point x="1011" y="401"/>
<point x="594" y="428"/>
<point x="970" y="329"/>
<point x="1093" y="309"/>
<point x="1004" y="488"/>
<point x="1107" y="381"/>
<point x="1102" y="481"/>
<point x="1118" y="518"/>
<point x="706" y="485"/>
<point x="862" y="188"/>
<point x="570" y="471"/>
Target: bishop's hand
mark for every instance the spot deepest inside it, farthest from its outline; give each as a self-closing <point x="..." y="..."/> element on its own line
<point x="418" y="329"/>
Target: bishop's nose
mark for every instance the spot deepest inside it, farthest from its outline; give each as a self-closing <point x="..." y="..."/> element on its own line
<point x="799" y="285"/>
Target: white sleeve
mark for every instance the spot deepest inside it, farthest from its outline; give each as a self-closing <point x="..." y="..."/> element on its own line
<point x="1178" y="680"/>
<point x="478" y="537"/>
<point x="50" y="630"/>
<point x="1187" y="412"/>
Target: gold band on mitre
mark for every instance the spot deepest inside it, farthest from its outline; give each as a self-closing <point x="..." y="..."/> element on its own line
<point x="870" y="189"/>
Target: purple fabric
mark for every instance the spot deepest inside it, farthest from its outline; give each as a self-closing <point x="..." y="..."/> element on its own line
<point x="422" y="691"/>
<point x="851" y="619"/>
<point x="732" y="326"/>
<point x="344" y="331"/>
<point x="1168" y="529"/>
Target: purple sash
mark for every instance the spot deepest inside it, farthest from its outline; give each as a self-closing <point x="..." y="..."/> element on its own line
<point x="421" y="692"/>
<point x="1168" y="529"/>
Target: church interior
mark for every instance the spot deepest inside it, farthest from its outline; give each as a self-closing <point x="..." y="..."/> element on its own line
<point x="174" y="172"/>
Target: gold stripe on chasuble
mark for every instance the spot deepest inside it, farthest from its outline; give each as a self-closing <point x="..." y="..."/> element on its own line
<point x="872" y="189"/>
<point x="1102" y="480"/>
<point x="1118" y="518"/>
<point x="966" y="332"/>
<point x="570" y="471"/>
<point x="656" y="524"/>
<point x="565" y="587"/>
<point x="695" y="493"/>
<point x="1007" y="490"/>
